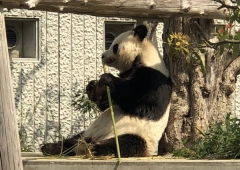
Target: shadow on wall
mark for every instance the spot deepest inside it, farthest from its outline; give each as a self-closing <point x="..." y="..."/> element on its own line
<point x="39" y="118"/>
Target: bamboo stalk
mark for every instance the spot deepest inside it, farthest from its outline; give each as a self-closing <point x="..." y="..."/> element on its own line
<point x="113" y="119"/>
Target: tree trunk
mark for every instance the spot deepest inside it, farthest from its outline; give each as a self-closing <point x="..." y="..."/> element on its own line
<point x="10" y="154"/>
<point x="197" y="99"/>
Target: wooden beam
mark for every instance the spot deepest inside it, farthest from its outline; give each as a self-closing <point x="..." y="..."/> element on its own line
<point x="149" y="9"/>
<point x="10" y="155"/>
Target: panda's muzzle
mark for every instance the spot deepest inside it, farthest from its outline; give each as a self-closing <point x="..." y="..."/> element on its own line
<point x="109" y="60"/>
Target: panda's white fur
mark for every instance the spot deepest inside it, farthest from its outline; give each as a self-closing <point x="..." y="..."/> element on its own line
<point x="151" y="131"/>
<point x="132" y="48"/>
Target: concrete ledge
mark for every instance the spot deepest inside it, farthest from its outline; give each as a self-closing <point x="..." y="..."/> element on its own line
<point x="158" y="163"/>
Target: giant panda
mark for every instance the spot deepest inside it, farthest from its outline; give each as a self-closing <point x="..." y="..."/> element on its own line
<point x="141" y="102"/>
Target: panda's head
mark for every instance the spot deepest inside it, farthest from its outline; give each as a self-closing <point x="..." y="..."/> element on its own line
<point x="129" y="45"/>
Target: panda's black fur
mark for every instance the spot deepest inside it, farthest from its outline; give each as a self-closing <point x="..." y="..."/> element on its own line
<point x="141" y="96"/>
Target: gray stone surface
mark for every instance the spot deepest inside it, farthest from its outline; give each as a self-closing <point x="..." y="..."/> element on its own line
<point x="129" y="164"/>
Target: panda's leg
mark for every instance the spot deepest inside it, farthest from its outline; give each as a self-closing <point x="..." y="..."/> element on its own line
<point x="130" y="146"/>
<point x="65" y="147"/>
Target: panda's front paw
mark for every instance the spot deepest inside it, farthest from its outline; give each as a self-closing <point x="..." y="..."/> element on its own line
<point x="106" y="79"/>
<point x="51" y="149"/>
<point x="91" y="87"/>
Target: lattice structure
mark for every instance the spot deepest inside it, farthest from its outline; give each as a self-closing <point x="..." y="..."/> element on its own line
<point x="151" y="9"/>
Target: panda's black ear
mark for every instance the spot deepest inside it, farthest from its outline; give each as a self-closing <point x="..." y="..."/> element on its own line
<point x="140" y="31"/>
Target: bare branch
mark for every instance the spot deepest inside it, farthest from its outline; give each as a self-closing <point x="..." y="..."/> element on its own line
<point x="229" y="76"/>
<point x="224" y="5"/>
<point x="228" y="41"/>
<point x="211" y="44"/>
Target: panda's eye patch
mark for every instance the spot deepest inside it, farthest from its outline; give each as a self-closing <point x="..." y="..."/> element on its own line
<point x="115" y="48"/>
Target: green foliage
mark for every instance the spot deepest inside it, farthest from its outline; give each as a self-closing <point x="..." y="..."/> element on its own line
<point x="81" y="103"/>
<point x="220" y="141"/>
<point x="179" y="42"/>
<point x="229" y="40"/>
<point x="235" y="12"/>
<point x="227" y="34"/>
<point x="25" y="147"/>
<point x="180" y="45"/>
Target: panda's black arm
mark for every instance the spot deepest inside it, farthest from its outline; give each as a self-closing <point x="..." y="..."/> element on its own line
<point x="124" y="91"/>
<point x="97" y="94"/>
<point x="141" y="92"/>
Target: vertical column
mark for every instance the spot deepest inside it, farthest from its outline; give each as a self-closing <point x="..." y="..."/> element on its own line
<point x="10" y="157"/>
<point x="65" y="73"/>
<point x="52" y="76"/>
<point x="26" y="130"/>
<point x="89" y="57"/>
<point x="40" y="99"/>
<point x="77" y="52"/>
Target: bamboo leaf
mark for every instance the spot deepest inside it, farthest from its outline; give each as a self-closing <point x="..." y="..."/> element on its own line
<point x="188" y="59"/>
<point x="202" y="50"/>
<point x="186" y="50"/>
<point x="201" y="59"/>
<point x="221" y="49"/>
<point x="238" y="3"/>
<point x="235" y="51"/>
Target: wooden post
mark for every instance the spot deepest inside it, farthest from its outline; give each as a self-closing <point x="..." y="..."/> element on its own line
<point x="10" y="155"/>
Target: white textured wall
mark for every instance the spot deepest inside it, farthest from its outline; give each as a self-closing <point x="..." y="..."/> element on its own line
<point x="70" y="55"/>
